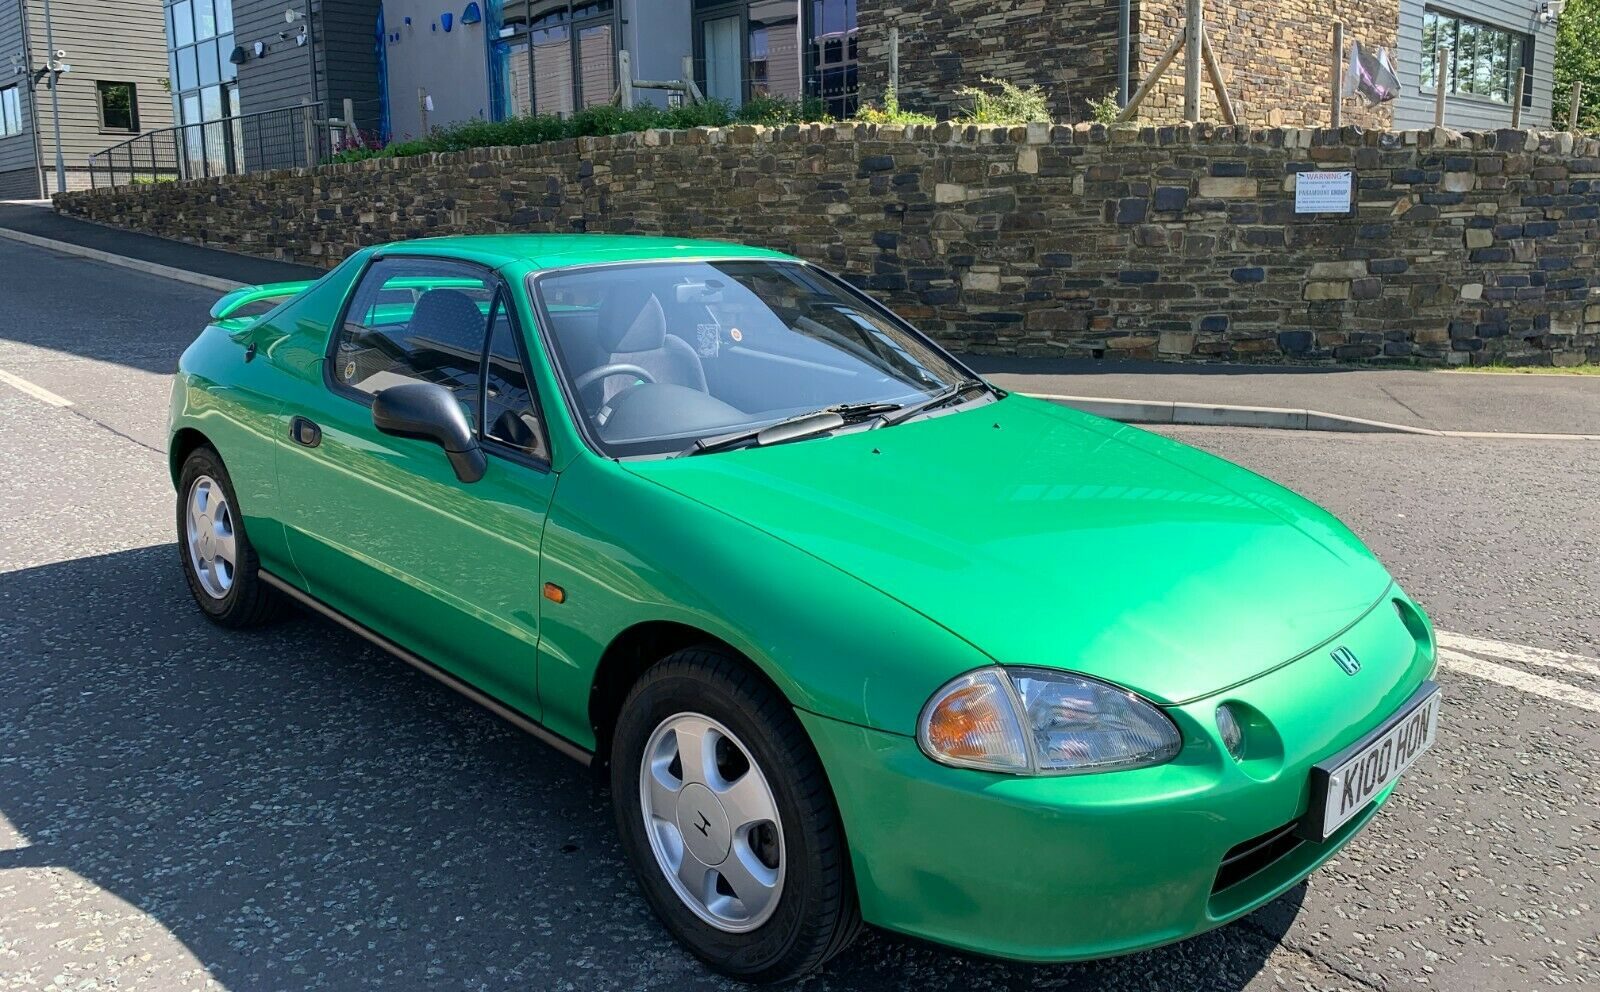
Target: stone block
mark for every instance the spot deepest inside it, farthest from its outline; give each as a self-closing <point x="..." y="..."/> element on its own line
<point x="1479" y="238"/>
<point x="1226" y="187"/>
<point x="986" y="282"/>
<point x="1472" y="291"/>
<point x="1316" y="291"/>
<point x="1131" y="210"/>
<point x="949" y="193"/>
<point x="1175" y="343"/>
<point x="1369" y="288"/>
<point x="1337" y="270"/>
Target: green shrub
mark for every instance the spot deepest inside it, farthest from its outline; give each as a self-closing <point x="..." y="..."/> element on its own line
<point x="772" y="110"/>
<point x="1012" y="105"/>
<point x="1105" y="110"/>
<point x="891" y="112"/>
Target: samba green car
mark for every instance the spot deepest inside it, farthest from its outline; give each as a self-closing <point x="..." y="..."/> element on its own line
<point x="853" y="634"/>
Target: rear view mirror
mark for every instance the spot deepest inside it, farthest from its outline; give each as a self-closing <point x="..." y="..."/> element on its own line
<point x="425" y="411"/>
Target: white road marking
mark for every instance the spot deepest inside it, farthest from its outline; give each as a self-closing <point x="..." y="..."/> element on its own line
<point x="1536" y="685"/>
<point x="37" y="392"/>
<point x="1502" y="651"/>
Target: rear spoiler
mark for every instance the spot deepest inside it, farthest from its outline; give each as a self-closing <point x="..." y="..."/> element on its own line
<point x="272" y="292"/>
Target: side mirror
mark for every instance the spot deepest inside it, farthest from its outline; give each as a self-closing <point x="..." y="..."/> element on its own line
<point x="425" y="411"/>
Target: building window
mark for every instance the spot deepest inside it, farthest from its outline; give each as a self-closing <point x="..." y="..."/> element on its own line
<point x="199" y="40"/>
<point x="783" y="49"/>
<point x="119" y="108"/>
<point x="831" y="40"/>
<point x="10" y="112"/>
<point x="558" y="55"/>
<point x="1484" y="60"/>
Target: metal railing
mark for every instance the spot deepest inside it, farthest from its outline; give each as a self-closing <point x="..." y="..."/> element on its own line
<point x="287" y="138"/>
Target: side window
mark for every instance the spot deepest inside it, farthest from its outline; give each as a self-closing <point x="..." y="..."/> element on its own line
<point x="510" y="415"/>
<point x="416" y="319"/>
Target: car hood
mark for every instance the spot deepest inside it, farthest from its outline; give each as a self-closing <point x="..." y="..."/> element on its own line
<point x="1044" y="536"/>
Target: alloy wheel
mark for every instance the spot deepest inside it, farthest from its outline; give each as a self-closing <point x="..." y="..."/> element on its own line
<point x="211" y="536"/>
<point x="712" y="822"/>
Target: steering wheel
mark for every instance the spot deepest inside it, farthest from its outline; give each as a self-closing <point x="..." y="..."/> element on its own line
<point x="593" y="376"/>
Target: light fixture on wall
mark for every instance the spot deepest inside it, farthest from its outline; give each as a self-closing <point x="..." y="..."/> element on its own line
<point x="472" y="14"/>
<point x="446" y="20"/>
<point x="239" y="55"/>
<point x="1550" y="10"/>
<point x="260" y="48"/>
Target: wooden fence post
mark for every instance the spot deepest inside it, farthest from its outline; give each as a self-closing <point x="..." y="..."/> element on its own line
<point x="1440" y="81"/>
<point x="1338" y="74"/>
<point x="894" y="61"/>
<point x="1191" y="62"/>
<point x="1577" y="99"/>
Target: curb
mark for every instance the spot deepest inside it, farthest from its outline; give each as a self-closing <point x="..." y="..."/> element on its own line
<point x="1275" y="418"/>
<point x="136" y="264"/>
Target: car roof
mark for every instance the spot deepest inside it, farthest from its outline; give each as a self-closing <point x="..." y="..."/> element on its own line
<point x="540" y="252"/>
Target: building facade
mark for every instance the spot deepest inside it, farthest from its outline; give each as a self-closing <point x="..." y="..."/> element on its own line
<point x="116" y="86"/>
<point x="411" y="65"/>
<point x="1275" y="55"/>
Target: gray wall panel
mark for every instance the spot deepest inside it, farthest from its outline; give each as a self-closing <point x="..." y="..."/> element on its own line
<point x="1414" y="107"/>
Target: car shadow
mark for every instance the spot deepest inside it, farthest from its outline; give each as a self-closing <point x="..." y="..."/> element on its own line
<point x="298" y="810"/>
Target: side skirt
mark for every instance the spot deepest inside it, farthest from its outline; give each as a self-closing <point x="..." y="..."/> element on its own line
<point x="499" y="709"/>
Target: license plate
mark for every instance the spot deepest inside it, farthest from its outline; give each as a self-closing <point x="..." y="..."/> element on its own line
<point x="1343" y="785"/>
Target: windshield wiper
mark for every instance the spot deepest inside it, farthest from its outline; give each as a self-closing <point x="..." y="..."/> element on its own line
<point x="792" y="429"/>
<point x="946" y="395"/>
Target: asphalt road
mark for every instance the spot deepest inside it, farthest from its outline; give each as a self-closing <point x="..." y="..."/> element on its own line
<point x="183" y="809"/>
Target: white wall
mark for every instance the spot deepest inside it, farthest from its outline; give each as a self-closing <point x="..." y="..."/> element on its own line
<point x="453" y="66"/>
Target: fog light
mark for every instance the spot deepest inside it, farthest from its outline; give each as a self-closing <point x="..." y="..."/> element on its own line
<point x="1232" y="734"/>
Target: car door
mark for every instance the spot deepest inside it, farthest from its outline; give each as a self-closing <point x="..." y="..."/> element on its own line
<point x="379" y="526"/>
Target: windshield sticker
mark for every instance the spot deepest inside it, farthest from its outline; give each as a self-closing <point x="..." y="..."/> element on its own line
<point x="737" y="335"/>
<point x="708" y="339"/>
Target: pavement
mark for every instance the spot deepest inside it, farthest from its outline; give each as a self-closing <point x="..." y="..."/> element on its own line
<point x="187" y="808"/>
<point x="1350" y="399"/>
<point x="36" y="219"/>
<point x="1416" y="398"/>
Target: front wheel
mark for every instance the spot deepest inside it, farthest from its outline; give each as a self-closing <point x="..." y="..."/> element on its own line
<point x="727" y="818"/>
<point x="218" y="559"/>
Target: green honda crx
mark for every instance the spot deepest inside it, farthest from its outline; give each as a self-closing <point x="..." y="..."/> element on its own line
<point x="850" y="633"/>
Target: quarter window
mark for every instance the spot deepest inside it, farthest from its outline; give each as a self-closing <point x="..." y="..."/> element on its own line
<point x="416" y="320"/>
<point x="1484" y="60"/>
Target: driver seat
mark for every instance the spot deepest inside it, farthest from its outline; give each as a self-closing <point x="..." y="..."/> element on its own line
<point x="633" y="331"/>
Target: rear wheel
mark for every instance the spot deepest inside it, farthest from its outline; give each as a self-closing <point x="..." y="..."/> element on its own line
<point x="218" y="559"/>
<point x="727" y="818"/>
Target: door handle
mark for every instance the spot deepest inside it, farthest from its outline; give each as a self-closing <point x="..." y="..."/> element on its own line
<point x="305" y="432"/>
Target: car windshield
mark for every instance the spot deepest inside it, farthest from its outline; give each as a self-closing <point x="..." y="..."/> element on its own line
<point x="661" y="355"/>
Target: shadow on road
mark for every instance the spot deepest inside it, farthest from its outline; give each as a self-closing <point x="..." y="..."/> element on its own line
<point x="300" y="811"/>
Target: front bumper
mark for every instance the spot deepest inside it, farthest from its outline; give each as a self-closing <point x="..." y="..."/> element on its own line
<point x="1079" y="867"/>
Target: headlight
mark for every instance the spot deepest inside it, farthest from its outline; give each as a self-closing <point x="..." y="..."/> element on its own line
<point x="1040" y="721"/>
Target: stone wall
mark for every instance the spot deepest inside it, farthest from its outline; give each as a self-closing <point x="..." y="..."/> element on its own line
<point x="1156" y="242"/>
<point x="1276" y="58"/>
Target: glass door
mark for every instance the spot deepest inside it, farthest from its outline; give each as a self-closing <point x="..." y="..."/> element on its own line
<point x="721" y="42"/>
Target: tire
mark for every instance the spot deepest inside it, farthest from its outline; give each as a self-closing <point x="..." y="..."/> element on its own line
<point x="233" y="596"/>
<point x="813" y="914"/>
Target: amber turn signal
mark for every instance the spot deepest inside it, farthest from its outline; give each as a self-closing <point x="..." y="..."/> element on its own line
<point x="554" y="593"/>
